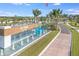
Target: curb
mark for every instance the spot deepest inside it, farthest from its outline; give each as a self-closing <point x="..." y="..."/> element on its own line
<point x="50" y="43"/>
<point x="70" y="39"/>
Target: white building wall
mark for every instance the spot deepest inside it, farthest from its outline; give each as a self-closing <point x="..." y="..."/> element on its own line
<point x="1" y="41"/>
<point x="7" y="41"/>
<point x="5" y="27"/>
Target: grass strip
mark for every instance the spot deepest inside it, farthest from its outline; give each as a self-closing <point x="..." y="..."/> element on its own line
<point x="74" y="42"/>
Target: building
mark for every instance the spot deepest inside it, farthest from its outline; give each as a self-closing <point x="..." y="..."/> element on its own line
<point x="13" y="38"/>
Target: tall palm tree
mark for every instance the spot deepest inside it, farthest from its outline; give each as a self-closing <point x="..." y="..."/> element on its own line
<point x="36" y="13"/>
<point x="50" y="16"/>
<point x="56" y="14"/>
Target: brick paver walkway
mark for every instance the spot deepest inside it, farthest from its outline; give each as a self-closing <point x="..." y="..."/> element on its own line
<point x="61" y="45"/>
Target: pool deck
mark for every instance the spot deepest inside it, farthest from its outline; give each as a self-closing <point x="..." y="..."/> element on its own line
<point x="60" y="46"/>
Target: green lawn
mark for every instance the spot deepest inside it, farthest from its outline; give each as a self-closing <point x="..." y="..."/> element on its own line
<point x="75" y="42"/>
<point x="73" y="24"/>
<point x="36" y="48"/>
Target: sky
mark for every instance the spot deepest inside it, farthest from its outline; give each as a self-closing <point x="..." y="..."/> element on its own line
<point x="25" y="9"/>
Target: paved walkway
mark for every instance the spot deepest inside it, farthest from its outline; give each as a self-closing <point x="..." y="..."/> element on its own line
<point x="61" y="45"/>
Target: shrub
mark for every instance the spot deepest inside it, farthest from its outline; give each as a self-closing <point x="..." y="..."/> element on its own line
<point x="52" y="27"/>
<point x="49" y="26"/>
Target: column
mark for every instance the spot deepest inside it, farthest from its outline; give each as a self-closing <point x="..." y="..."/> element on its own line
<point x="2" y="52"/>
<point x="28" y="40"/>
<point x="13" y="47"/>
<point x="21" y="42"/>
<point x="21" y="38"/>
<point x="20" y="35"/>
<point x="44" y="31"/>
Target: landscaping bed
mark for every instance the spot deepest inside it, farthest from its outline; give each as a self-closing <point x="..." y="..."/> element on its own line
<point x="74" y="24"/>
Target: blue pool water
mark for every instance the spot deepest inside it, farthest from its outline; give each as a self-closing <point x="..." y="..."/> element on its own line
<point x="39" y="31"/>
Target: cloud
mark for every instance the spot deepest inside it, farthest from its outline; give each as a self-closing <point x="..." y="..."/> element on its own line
<point x="44" y="12"/>
<point x="27" y="4"/>
<point x="17" y="3"/>
<point x="21" y="4"/>
<point x="5" y="13"/>
<point x="72" y="11"/>
<point x="56" y="4"/>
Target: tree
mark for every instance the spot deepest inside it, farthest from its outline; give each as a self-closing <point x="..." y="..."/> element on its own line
<point x="50" y="17"/>
<point x="65" y="17"/>
<point x="2" y="21"/>
<point x="56" y="15"/>
<point x="71" y="19"/>
<point x="36" y="13"/>
<point x="76" y="19"/>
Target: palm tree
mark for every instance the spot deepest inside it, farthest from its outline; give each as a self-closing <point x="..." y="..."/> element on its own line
<point x="56" y="13"/>
<point x="49" y="16"/>
<point x="36" y="13"/>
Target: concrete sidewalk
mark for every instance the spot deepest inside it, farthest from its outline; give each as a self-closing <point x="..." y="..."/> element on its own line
<point x="61" y="45"/>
